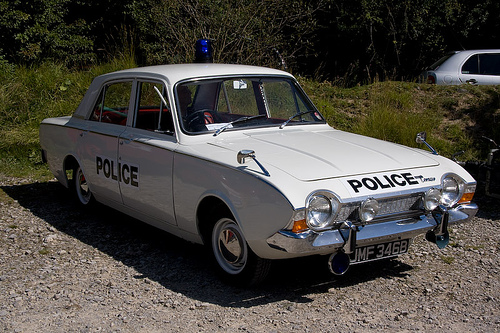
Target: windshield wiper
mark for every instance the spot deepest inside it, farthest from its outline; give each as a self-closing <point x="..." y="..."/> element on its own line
<point x="239" y="120"/>
<point x="295" y="116"/>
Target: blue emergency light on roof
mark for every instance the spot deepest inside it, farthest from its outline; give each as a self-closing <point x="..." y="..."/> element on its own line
<point x="203" y="51"/>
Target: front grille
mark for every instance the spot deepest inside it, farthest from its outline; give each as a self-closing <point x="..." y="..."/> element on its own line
<point x="395" y="207"/>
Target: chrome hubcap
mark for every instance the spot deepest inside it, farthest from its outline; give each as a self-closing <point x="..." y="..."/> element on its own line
<point x="229" y="246"/>
<point x="83" y="184"/>
<point x="82" y="187"/>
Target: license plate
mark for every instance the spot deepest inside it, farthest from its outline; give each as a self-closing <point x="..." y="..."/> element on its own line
<point x="379" y="251"/>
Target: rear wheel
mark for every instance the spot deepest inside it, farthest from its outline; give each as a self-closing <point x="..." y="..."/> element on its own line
<point x="236" y="261"/>
<point x="81" y="186"/>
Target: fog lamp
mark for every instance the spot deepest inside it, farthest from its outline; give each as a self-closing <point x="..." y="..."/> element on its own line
<point x="368" y="210"/>
<point x="432" y="199"/>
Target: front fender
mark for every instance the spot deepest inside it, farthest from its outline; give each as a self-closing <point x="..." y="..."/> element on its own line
<point x="259" y="208"/>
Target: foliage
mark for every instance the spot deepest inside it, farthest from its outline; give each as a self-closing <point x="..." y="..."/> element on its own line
<point x="249" y="32"/>
<point x="351" y="42"/>
<point x="371" y="40"/>
<point x="40" y="29"/>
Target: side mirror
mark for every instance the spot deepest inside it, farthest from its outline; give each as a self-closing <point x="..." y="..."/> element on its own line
<point x="244" y="154"/>
<point x="247" y="153"/>
<point x="421" y="137"/>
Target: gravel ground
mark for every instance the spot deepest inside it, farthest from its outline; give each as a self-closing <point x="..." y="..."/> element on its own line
<point x="63" y="269"/>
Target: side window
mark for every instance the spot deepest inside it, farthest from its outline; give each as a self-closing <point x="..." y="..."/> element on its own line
<point x="152" y="113"/>
<point x="97" y="110"/>
<point x="471" y="66"/>
<point x="489" y="64"/>
<point x="113" y="103"/>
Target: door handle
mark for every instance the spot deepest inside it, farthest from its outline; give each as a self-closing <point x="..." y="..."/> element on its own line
<point x="471" y="81"/>
<point x="125" y="140"/>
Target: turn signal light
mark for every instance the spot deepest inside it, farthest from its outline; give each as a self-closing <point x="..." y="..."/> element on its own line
<point x="467" y="197"/>
<point x="299" y="226"/>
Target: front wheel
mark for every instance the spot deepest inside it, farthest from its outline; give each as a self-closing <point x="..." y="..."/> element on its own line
<point x="82" y="190"/>
<point x="236" y="261"/>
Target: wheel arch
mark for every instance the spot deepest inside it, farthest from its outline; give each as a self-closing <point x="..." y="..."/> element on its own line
<point x="209" y="211"/>
<point x="69" y="165"/>
<point x="242" y="267"/>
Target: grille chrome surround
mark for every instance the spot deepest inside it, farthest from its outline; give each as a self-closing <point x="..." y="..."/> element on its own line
<point x="400" y="207"/>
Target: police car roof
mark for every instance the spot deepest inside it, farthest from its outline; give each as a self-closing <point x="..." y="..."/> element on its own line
<point x="175" y="73"/>
<point x="171" y="74"/>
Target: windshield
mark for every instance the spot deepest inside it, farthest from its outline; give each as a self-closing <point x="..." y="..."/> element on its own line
<point x="241" y="102"/>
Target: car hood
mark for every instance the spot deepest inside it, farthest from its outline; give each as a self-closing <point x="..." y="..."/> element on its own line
<point x="323" y="154"/>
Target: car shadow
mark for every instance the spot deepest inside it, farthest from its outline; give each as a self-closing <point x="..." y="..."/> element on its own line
<point x="179" y="265"/>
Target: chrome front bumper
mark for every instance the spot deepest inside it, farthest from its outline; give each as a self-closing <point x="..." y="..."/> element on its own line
<point x="330" y="241"/>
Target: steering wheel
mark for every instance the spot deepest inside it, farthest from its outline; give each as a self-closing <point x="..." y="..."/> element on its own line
<point x="200" y="117"/>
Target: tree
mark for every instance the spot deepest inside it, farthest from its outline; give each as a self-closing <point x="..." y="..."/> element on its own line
<point x="38" y="29"/>
<point x="251" y="32"/>
<point x="370" y="39"/>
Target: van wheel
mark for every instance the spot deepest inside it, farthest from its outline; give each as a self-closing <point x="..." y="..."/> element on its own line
<point x="82" y="189"/>
<point x="236" y="262"/>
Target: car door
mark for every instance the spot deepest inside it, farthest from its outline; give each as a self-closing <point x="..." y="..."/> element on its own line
<point x="490" y="67"/>
<point x="480" y="69"/>
<point x="146" y="152"/>
<point x="98" y="144"/>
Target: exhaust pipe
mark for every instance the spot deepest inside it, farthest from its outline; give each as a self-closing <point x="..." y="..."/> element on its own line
<point x="338" y="263"/>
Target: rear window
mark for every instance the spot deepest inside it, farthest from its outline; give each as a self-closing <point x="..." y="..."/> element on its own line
<point x="438" y="63"/>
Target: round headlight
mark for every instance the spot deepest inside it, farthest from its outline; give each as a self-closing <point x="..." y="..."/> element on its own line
<point x="452" y="191"/>
<point x="369" y="209"/>
<point x="320" y="211"/>
<point x="432" y="199"/>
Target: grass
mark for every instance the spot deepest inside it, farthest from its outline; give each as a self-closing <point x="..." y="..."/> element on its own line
<point x="454" y="117"/>
<point x="30" y="94"/>
<point x="448" y="259"/>
<point x="44" y="251"/>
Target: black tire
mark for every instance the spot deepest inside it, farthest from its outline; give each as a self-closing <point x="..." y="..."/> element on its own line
<point x="82" y="190"/>
<point x="236" y="262"/>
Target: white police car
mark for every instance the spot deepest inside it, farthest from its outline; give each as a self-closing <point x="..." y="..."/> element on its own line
<point x="476" y="67"/>
<point x="238" y="158"/>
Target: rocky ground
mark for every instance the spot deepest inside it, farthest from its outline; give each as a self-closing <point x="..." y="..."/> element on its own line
<point x="63" y="269"/>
